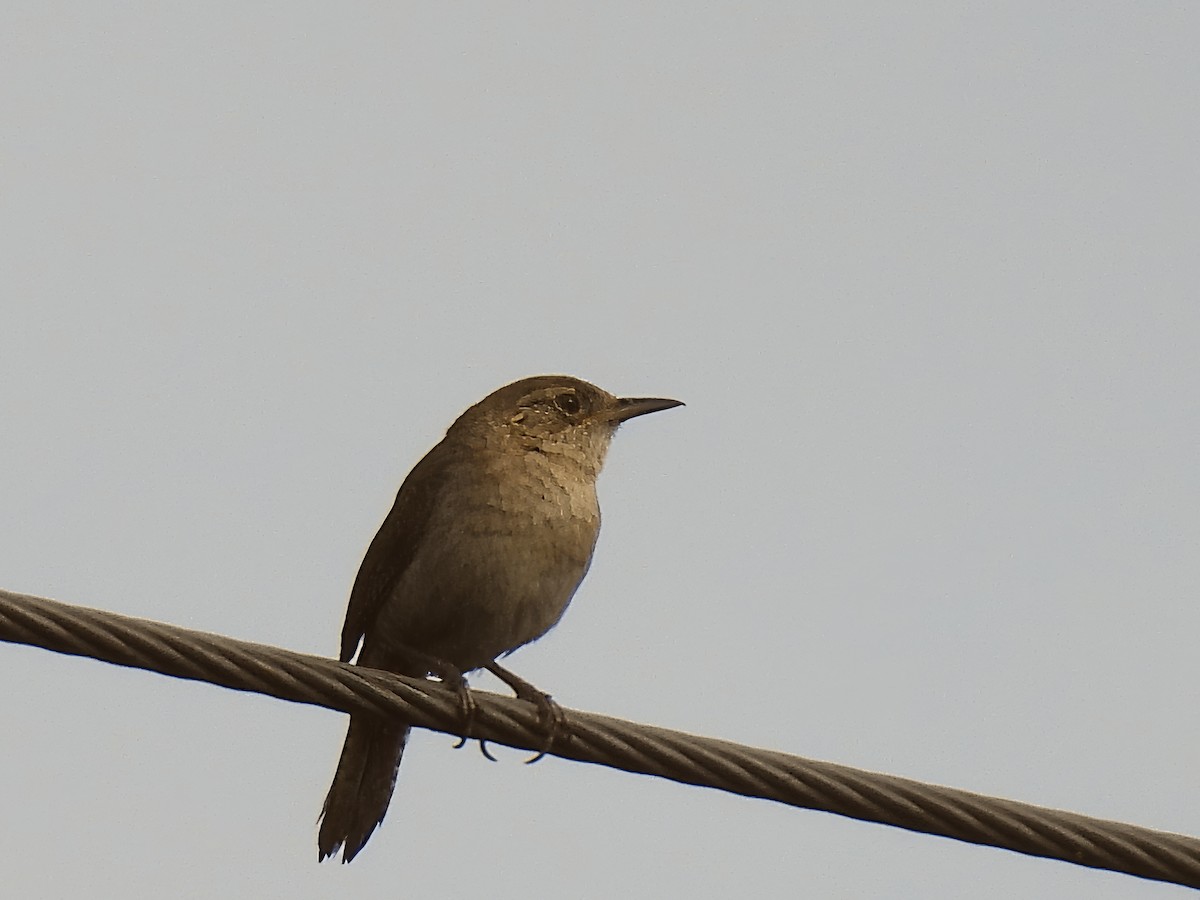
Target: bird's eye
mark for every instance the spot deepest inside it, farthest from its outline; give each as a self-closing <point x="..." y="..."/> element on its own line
<point x="568" y="403"/>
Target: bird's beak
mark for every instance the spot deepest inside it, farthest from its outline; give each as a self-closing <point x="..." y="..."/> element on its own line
<point x="628" y="407"/>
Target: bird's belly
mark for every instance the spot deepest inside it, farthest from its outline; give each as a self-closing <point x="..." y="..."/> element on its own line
<point x="481" y="593"/>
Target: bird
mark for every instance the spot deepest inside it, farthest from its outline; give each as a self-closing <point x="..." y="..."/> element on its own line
<point x="489" y="537"/>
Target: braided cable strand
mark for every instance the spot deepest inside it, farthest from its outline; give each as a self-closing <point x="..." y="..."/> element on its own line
<point x="685" y="758"/>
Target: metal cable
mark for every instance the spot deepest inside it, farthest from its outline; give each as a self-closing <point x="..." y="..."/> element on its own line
<point x="681" y="757"/>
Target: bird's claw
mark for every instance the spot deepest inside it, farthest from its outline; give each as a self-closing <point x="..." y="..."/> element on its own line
<point x="466" y="707"/>
<point x="551" y="718"/>
<point x="462" y="742"/>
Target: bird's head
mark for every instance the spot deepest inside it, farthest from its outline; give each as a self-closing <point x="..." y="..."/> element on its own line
<point x="555" y="414"/>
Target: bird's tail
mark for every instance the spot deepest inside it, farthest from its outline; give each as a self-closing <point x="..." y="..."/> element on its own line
<point x="362" y="786"/>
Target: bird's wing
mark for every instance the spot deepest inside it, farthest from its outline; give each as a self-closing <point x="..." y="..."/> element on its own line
<point x="393" y="548"/>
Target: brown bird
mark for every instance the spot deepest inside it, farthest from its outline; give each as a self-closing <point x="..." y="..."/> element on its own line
<point x="491" y="533"/>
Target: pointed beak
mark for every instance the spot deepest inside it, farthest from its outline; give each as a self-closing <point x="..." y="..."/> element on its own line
<point x="629" y="407"/>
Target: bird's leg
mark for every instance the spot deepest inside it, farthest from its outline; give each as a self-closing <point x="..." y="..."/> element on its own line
<point x="452" y="677"/>
<point x="550" y="714"/>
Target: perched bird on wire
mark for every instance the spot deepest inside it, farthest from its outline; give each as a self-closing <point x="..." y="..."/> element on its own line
<point x="491" y="533"/>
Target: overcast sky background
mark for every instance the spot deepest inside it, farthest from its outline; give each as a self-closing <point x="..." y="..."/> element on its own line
<point x="926" y="279"/>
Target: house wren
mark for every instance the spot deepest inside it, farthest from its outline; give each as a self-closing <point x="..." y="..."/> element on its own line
<point x="491" y="533"/>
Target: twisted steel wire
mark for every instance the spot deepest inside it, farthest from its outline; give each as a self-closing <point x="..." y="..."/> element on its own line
<point x="645" y="749"/>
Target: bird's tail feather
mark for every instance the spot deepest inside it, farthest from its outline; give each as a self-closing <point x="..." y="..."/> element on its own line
<point x="362" y="786"/>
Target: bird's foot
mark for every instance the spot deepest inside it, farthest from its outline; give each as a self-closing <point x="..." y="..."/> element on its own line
<point x="453" y="678"/>
<point x="550" y="715"/>
<point x="466" y="706"/>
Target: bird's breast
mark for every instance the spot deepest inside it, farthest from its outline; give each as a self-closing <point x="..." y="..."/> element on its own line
<point x="500" y="560"/>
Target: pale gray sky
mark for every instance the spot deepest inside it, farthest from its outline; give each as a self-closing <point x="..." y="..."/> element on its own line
<point x="926" y="279"/>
